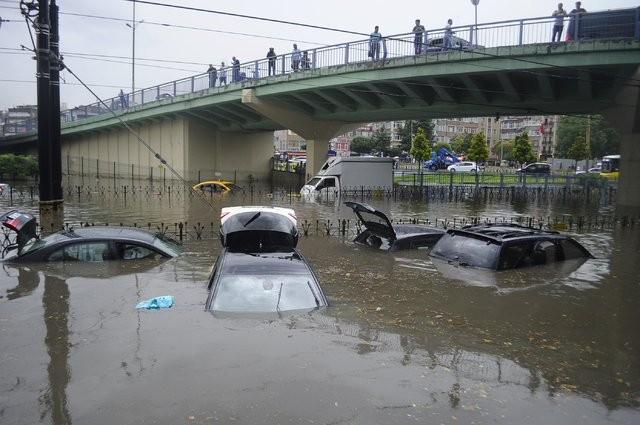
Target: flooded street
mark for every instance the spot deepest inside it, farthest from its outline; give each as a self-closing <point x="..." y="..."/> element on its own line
<point x="404" y="340"/>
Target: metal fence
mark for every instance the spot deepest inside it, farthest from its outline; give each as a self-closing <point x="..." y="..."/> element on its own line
<point x="614" y="25"/>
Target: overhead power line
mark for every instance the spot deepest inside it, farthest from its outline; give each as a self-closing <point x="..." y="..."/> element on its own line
<point x="238" y="15"/>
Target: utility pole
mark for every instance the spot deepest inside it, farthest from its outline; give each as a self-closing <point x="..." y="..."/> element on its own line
<point x="49" y="155"/>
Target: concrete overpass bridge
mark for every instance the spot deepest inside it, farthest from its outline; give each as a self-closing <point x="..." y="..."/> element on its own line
<point x="512" y="69"/>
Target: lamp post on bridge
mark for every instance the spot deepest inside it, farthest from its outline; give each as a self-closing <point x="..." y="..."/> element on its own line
<point x="133" y="26"/>
<point x="474" y="41"/>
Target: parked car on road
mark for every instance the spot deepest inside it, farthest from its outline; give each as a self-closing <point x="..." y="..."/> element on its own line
<point x="90" y="244"/>
<point x="259" y="269"/>
<point x="503" y="246"/>
<point x="379" y="233"/>
<point x="463" y="167"/>
<point x="535" y="168"/>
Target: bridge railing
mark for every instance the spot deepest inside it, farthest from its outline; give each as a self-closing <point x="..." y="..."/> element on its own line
<point x="612" y="24"/>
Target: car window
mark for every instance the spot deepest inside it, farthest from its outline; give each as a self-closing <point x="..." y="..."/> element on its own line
<point x="515" y="256"/>
<point x="571" y="249"/>
<point x="128" y="251"/>
<point x="467" y="250"/>
<point x="328" y="182"/>
<point x="84" y="251"/>
<point x="263" y="293"/>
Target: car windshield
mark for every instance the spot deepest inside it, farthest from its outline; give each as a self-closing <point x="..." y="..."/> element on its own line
<point x="467" y="250"/>
<point x="260" y="293"/>
<point x="37" y="243"/>
<point x="166" y="244"/>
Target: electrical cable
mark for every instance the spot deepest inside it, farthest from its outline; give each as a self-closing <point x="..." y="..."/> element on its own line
<point x="140" y="139"/>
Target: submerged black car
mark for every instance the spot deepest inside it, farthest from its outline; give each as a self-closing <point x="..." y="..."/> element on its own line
<point x="259" y="269"/>
<point x="506" y="246"/>
<point x="379" y="233"/>
<point x="90" y="244"/>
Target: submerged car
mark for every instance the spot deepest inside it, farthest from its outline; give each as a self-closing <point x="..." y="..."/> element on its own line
<point x="506" y="246"/>
<point x="379" y="233"/>
<point x="217" y="186"/>
<point x="89" y="244"/>
<point x="259" y="269"/>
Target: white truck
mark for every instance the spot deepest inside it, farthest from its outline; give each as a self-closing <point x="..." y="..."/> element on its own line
<point x="351" y="173"/>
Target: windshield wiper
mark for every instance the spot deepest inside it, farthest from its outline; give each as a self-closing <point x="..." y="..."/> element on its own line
<point x="256" y="215"/>
<point x="314" y="294"/>
<point x="279" y="295"/>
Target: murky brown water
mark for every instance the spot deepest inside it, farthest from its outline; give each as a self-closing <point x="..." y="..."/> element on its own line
<point x="405" y="340"/>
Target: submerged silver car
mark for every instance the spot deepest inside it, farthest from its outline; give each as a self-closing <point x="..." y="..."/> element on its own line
<point x="259" y="269"/>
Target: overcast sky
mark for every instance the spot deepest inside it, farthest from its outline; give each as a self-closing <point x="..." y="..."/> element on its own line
<point x="173" y="43"/>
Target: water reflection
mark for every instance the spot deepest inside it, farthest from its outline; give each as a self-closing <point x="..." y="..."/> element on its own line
<point x="55" y="302"/>
<point x="535" y="318"/>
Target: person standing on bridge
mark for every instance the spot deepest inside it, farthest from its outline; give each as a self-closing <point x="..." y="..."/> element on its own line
<point x="296" y="55"/>
<point x="271" y="55"/>
<point x="305" y="61"/>
<point x="223" y="74"/>
<point x="213" y="75"/>
<point x="418" y="31"/>
<point x="374" y="44"/>
<point x="235" y="70"/>
<point x="574" y="22"/>
<point x="448" y="35"/>
<point x="558" y="23"/>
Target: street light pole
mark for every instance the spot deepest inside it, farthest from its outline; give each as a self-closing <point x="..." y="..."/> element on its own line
<point x="475" y="35"/>
<point x="133" y="50"/>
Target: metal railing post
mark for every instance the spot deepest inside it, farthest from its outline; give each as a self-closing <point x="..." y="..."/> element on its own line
<point x="346" y="53"/>
<point x="521" y="33"/>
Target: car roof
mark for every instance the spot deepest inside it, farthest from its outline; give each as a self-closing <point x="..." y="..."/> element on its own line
<point x="501" y="232"/>
<point x="111" y="232"/>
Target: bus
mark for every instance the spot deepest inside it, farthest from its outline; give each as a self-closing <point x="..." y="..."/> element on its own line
<point x="610" y="166"/>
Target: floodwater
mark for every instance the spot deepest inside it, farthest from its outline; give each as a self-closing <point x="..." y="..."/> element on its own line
<point x="405" y="340"/>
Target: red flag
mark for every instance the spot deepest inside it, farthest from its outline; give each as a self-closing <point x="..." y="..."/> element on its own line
<point x="541" y="127"/>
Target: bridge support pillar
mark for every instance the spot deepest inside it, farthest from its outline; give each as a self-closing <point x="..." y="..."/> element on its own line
<point x="316" y="133"/>
<point x="626" y="119"/>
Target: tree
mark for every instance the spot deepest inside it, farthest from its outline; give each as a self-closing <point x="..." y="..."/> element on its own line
<point x="604" y="139"/>
<point x="461" y="144"/>
<point x="380" y="141"/>
<point x="441" y="145"/>
<point x="478" y="151"/>
<point x="578" y="150"/>
<point x="18" y="165"/>
<point x="421" y="147"/>
<point x="361" y="145"/>
<point x="410" y="128"/>
<point x="504" y="149"/>
<point x="522" y="151"/>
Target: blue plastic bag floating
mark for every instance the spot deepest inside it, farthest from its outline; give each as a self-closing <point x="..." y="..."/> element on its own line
<point x="164" y="301"/>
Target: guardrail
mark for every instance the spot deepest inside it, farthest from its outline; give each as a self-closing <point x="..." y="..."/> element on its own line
<point x="613" y="24"/>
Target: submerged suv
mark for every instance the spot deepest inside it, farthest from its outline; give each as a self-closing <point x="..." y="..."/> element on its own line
<point x="506" y="246"/>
